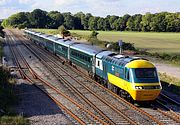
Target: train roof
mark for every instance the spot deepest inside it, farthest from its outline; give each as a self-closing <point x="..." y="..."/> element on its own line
<point x="86" y="48"/>
<point x="30" y="31"/>
<point x="42" y="35"/>
<point x="139" y="63"/>
<point x="121" y="60"/>
<point x="52" y="38"/>
<point x="65" y="42"/>
<point x="104" y="53"/>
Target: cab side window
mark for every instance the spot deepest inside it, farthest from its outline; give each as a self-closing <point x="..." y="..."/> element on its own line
<point x="127" y="76"/>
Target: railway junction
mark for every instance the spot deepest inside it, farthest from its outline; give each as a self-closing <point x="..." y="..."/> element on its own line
<point x="53" y="92"/>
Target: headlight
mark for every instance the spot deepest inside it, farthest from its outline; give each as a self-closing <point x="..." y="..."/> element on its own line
<point x="157" y="87"/>
<point x="138" y="87"/>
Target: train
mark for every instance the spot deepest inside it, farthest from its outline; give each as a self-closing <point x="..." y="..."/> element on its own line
<point x="133" y="78"/>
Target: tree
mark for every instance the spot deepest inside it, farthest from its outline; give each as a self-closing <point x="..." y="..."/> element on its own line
<point x="17" y="19"/>
<point x="63" y="31"/>
<point x="173" y="22"/>
<point x="145" y="23"/>
<point x="1" y="31"/>
<point x="100" y="23"/>
<point x="118" y="24"/>
<point x="121" y="22"/>
<point x="133" y="23"/>
<point x="38" y="18"/>
<point x="93" y="37"/>
<point x="93" y="23"/>
<point x="106" y="24"/>
<point x="112" y="19"/>
<point x="69" y="21"/>
<point x="94" y="34"/>
<point x="5" y="23"/>
<point x="130" y="24"/>
<point x="56" y="19"/>
<point x="78" y="19"/>
<point x="158" y="22"/>
<point x="137" y="22"/>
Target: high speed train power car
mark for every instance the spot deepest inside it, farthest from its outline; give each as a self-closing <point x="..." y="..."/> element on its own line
<point x="133" y="78"/>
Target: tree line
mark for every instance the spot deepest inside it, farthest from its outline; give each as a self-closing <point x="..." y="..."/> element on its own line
<point x="158" y="22"/>
<point x="1" y="31"/>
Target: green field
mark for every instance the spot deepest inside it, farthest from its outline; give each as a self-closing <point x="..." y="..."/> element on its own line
<point x="151" y="41"/>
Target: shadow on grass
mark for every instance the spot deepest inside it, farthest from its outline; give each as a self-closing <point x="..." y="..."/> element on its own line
<point x="170" y="87"/>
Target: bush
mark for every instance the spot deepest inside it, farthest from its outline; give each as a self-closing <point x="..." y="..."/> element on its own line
<point x="125" y="46"/>
<point x="7" y="99"/>
<point x="2" y="34"/>
<point x="6" y="90"/>
<point x="63" y="31"/>
<point x="13" y="120"/>
<point x="174" y="58"/>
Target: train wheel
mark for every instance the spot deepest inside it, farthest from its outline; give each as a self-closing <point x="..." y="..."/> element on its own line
<point x="115" y="89"/>
<point x="122" y="93"/>
<point x="91" y="75"/>
<point x="104" y="83"/>
<point x="109" y="86"/>
<point x="130" y="99"/>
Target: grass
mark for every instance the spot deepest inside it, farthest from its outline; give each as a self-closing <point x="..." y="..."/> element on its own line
<point x="150" y="41"/>
<point x="13" y="120"/>
<point x="153" y="42"/>
<point x="47" y="31"/>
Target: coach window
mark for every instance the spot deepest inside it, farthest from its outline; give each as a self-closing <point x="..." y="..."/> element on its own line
<point x="89" y="59"/>
<point x="85" y="58"/>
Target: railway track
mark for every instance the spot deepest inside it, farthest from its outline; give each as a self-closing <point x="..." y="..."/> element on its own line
<point x="169" y="102"/>
<point x="129" y="110"/>
<point x="75" y="110"/>
<point x="63" y="76"/>
<point x="162" y="116"/>
<point x="168" y="106"/>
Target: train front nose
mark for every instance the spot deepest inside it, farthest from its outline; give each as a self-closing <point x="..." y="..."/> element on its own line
<point x="146" y="93"/>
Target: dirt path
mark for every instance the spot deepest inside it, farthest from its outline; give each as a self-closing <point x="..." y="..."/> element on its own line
<point x="168" y="69"/>
<point x="164" y="67"/>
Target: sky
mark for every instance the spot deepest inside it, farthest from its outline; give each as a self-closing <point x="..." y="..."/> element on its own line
<point x="95" y="7"/>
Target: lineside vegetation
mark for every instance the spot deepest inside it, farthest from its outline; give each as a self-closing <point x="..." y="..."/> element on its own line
<point x="7" y="100"/>
<point x="158" y="22"/>
<point x="7" y="97"/>
<point x="170" y="83"/>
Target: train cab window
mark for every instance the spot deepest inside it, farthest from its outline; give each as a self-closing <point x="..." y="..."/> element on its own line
<point x="98" y="63"/>
<point x="127" y="76"/>
<point x="146" y="73"/>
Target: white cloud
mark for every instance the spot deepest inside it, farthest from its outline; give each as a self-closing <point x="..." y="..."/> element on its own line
<point x="3" y="2"/>
<point x="96" y="7"/>
<point x="6" y="12"/>
<point x="25" y="1"/>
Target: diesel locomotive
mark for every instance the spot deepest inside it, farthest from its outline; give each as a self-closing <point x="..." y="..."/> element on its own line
<point x="133" y="78"/>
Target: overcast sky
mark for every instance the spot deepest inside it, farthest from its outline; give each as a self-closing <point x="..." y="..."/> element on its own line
<point x="96" y="7"/>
